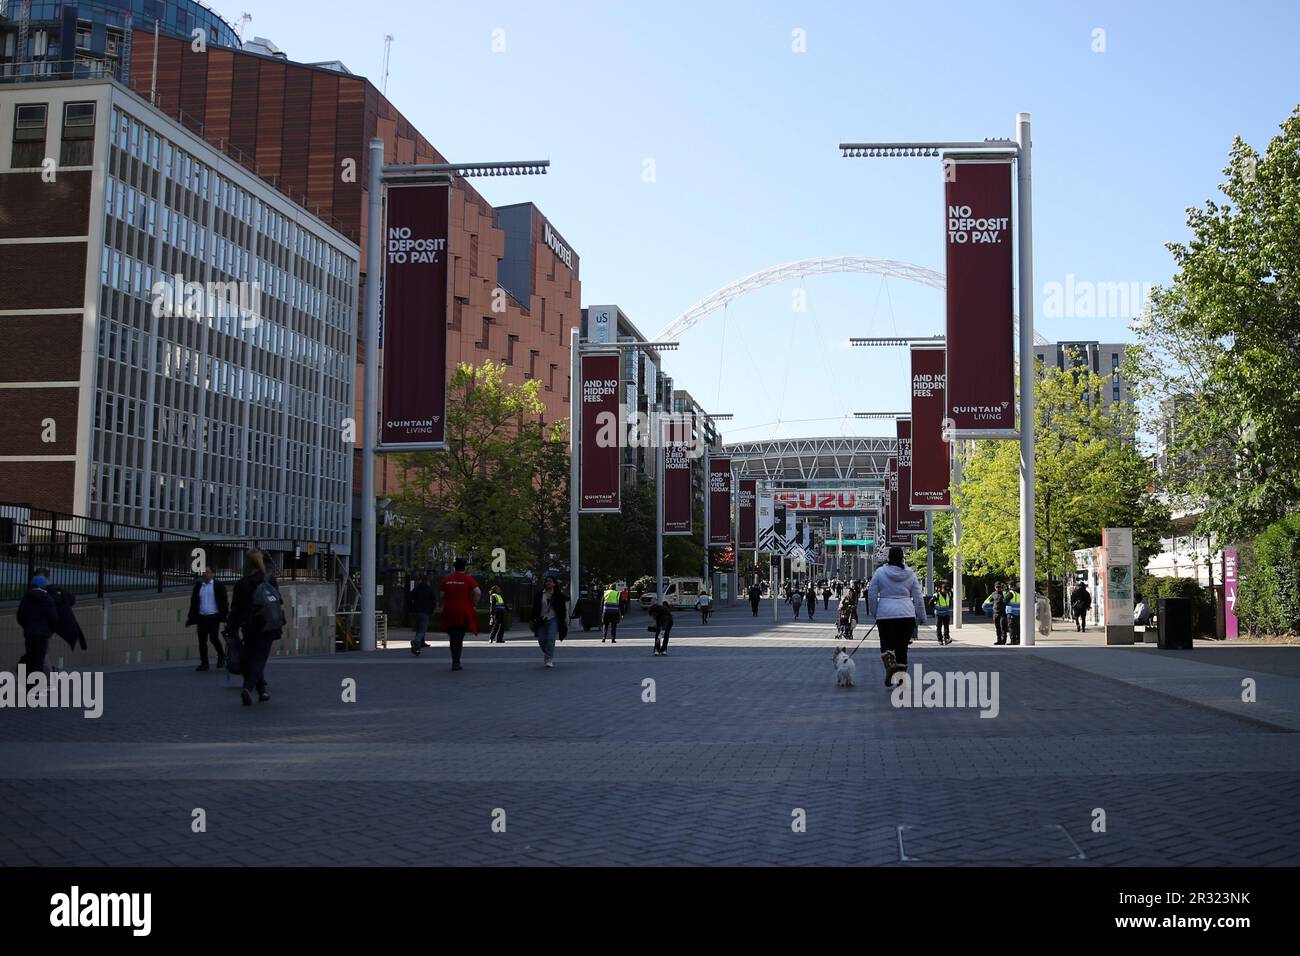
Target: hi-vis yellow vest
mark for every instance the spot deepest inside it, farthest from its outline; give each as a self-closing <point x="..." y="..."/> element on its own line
<point x="611" y="598"/>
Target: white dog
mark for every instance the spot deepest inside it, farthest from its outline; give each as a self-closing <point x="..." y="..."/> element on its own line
<point x="844" y="667"/>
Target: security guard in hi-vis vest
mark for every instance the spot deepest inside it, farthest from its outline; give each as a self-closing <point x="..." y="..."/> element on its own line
<point x="612" y="615"/>
<point x="943" y="613"/>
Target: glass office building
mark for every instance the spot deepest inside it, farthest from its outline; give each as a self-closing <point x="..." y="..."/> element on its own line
<point x="89" y="37"/>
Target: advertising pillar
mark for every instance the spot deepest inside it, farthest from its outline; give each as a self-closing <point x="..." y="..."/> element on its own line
<point x="1232" y="626"/>
<point x="1117" y="549"/>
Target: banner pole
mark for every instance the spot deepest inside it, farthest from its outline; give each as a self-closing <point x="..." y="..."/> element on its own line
<point x="370" y="393"/>
<point x="659" y="511"/>
<point x="735" y="539"/>
<point x="575" y="443"/>
<point x="1025" y="278"/>
<point x="957" y="595"/>
<point x="929" y="554"/>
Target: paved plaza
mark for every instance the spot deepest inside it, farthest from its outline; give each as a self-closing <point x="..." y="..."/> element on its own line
<point x="747" y="734"/>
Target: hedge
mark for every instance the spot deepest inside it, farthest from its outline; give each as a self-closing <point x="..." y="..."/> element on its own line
<point x="1268" y="593"/>
<point x="1153" y="587"/>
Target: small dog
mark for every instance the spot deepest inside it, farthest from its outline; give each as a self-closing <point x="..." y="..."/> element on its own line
<point x="844" y="667"/>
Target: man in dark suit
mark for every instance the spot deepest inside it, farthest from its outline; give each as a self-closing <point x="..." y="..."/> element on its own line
<point x="209" y="607"/>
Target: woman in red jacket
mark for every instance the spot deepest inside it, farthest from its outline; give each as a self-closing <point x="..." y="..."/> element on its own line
<point x="460" y="593"/>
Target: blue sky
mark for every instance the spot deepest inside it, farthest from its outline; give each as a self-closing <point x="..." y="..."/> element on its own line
<point x="742" y="132"/>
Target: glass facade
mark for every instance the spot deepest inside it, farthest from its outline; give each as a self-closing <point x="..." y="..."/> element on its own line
<point x="92" y="34"/>
<point x="225" y="371"/>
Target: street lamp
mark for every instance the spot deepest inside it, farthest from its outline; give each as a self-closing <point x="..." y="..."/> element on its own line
<point x="1018" y="149"/>
<point x="724" y="417"/>
<point x="889" y="415"/>
<point x="380" y="175"/>
<point x="576" y="348"/>
<point x="895" y="340"/>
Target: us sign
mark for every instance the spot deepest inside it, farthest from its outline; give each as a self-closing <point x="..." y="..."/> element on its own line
<point x="980" y="339"/>
<point x="416" y="303"/>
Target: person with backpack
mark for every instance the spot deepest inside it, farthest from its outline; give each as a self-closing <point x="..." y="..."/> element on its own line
<point x="423" y="603"/>
<point x="209" y="608"/>
<point x="996" y="604"/>
<point x="755" y="596"/>
<point x="38" y="616"/>
<point x="796" y="601"/>
<point x="460" y="594"/>
<point x="704" y="604"/>
<point x="256" y="612"/>
<point x="497" y="610"/>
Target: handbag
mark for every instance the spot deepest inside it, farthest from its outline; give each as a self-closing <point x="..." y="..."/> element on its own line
<point x="234" y="653"/>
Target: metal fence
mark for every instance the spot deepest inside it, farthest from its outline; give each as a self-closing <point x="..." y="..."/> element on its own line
<point x="88" y="556"/>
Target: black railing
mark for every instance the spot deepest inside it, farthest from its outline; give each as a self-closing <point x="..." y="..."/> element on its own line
<point x="88" y="556"/>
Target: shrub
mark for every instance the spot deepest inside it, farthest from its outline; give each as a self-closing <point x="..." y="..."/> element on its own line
<point x="1268" y="594"/>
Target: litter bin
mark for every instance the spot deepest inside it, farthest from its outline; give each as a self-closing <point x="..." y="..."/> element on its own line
<point x="1174" y="620"/>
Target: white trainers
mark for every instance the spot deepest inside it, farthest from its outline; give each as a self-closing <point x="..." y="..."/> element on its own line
<point x="549" y="662"/>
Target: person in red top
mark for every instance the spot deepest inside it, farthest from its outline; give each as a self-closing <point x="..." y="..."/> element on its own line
<point x="460" y="593"/>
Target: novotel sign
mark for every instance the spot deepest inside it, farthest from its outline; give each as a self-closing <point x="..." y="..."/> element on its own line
<point x="825" y="500"/>
<point x="552" y="239"/>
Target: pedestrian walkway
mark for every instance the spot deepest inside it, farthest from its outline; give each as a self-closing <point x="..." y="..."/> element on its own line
<point x="707" y="756"/>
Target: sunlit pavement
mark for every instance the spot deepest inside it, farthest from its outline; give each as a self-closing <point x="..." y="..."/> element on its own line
<point x="714" y="754"/>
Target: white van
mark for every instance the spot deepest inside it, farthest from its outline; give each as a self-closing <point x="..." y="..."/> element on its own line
<point x="678" y="593"/>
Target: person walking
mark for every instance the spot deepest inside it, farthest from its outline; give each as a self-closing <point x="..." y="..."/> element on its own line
<point x="1080" y="603"/>
<point x="996" y="604"/>
<point x="38" y="616"/>
<point x="460" y="594"/>
<point x="624" y="602"/>
<point x="497" y="612"/>
<point x="423" y="603"/>
<point x="662" y="627"/>
<point x="704" y="604"/>
<point x="810" y="600"/>
<point x="209" y="608"/>
<point x="755" y="597"/>
<point x="796" y="601"/>
<point x="613" y="614"/>
<point x="549" y="621"/>
<point x="256" y="612"/>
<point x="826" y="597"/>
<point x="943" y="613"/>
<point x="895" y="600"/>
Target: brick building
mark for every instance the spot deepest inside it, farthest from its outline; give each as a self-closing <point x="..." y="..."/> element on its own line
<point x="305" y="128"/>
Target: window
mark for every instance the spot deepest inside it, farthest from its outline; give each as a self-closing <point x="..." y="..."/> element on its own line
<point x="83" y="37"/>
<point x="29" y="135"/>
<point x="78" y="135"/>
<point x="1114" y="360"/>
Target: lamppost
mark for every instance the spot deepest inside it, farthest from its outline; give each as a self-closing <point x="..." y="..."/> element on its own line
<point x="576" y="349"/>
<point x="380" y="175"/>
<point x="1018" y="149"/>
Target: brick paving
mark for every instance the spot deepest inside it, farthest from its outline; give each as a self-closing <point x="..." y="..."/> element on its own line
<point x="747" y="727"/>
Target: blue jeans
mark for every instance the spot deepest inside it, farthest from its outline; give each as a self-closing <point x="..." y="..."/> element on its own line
<point x="547" y="631"/>
<point x="421" y="627"/>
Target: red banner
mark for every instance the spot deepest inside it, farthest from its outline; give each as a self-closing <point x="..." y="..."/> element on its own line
<point x="891" y="504"/>
<point x="908" y="521"/>
<point x="416" y="303"/>
<point x="677" y="478"/>
<point x="981" y="331"/>
<point x="719" y="502"/>
<point x="601" y="452"/>
<point x="930" y="459"/>
<point x="747" y="519"/>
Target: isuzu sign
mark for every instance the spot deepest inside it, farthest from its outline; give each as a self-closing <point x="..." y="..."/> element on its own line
<point x="416" y="303"/>
<point x="719" y="502"/>
<point x="980" y="339"/>
<point x="601" y="446"/>
<point x="826" y="500"/>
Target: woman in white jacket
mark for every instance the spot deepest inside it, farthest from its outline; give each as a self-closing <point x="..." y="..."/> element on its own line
<point x="895" y="600"/>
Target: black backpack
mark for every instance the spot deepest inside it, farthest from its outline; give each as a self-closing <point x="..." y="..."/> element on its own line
<point x="268" y="608"/>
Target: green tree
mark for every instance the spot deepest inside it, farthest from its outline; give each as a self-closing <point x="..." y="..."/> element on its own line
<point x="1216" y="367"/>
<point x="1089" y="474"/>
<point x="499" y="484"/>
